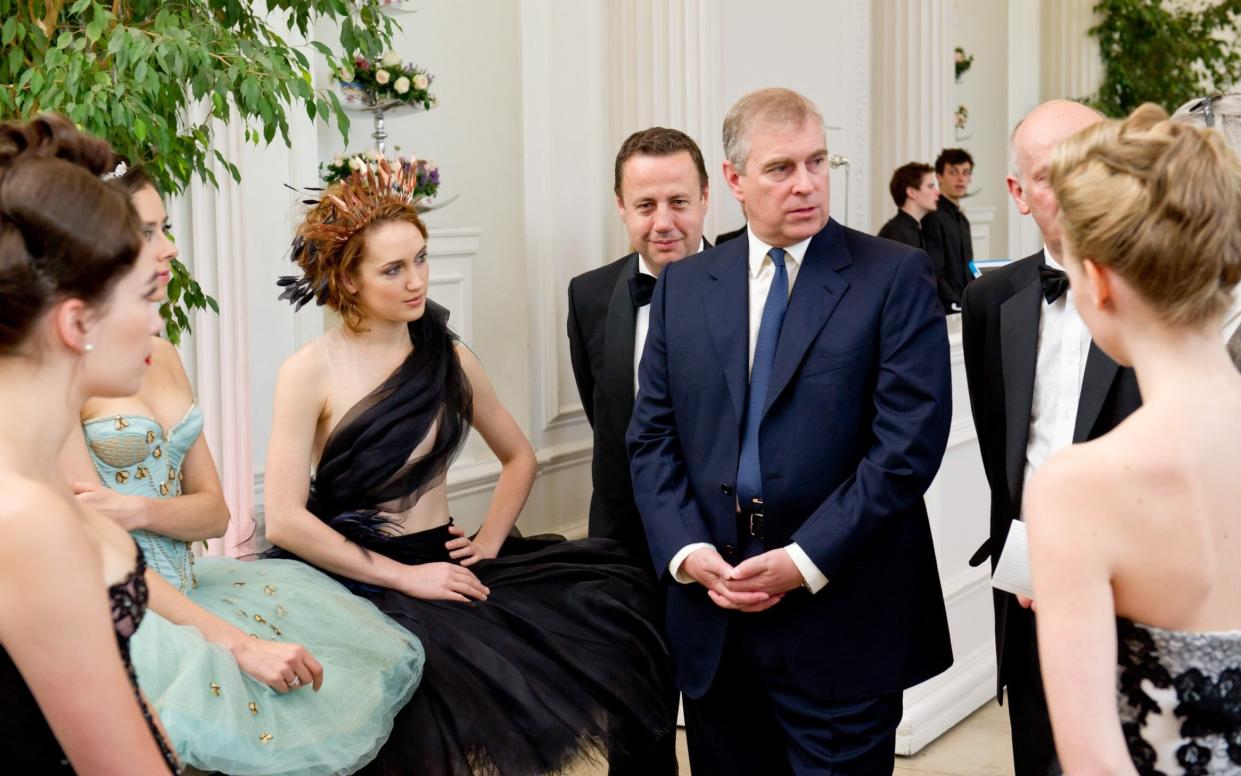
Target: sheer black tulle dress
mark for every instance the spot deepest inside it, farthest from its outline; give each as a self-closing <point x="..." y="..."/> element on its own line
<point x="563" y="658"/>
<point x="27" y="744"/>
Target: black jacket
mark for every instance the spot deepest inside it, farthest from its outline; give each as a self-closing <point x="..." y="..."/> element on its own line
<point x="1000" y="331"/>
<point x="947" y="234"/>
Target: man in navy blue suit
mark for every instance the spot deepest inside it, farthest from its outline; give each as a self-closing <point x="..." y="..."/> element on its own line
<point x="793" y="408"/>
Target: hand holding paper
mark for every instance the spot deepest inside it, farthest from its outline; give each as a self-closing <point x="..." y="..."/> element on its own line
<point x="1012" y="573"/>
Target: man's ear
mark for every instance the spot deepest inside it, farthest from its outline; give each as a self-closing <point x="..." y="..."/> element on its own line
<point x="733" y="178"/>
<point x="620" y="207"/>
<point x="706" y="194"/>
<point x="910" y="193"/>
<point x="1016" y="191"/>
<point x="73" y="322"/>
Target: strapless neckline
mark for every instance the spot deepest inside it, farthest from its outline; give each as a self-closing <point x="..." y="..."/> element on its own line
<point x="165" y="434"/>
<point x="1232" y="633"/>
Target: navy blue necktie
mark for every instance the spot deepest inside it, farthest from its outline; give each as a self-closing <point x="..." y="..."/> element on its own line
<point x="749" y="473"/>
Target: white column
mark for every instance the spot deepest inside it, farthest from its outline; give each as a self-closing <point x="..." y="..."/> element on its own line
<point x="665" y="60"/>
<point x="217" y="354"/>
<point x="911" y="90"/>
<point x="1070" y="66"/>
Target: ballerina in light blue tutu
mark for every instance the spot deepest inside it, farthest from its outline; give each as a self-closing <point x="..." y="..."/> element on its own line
<point x="228" y="706"/>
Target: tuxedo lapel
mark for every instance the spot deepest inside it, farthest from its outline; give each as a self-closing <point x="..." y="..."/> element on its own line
<point x="618" y="348"/>
<point x="1019" y="321"/>
<point x="726" y="301"/>
<point x="1096" y="383"/>
<point x="816" y="293"/>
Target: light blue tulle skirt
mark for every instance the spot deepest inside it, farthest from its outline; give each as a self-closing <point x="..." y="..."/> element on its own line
<point x="220" y="719"/>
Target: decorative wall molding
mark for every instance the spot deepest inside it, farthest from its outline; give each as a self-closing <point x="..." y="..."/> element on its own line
<point x="452" y="253"/>
<point x="665" y="66"/>
<point x="1071" y="67"/>
<point x="932" y="708"/>
<point x="981" y="219"/>
<point x="911" y="79"/>
<point x="563" y="52"/>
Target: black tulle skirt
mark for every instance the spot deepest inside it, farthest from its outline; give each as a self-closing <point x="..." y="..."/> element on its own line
<point x="564" y="659"/>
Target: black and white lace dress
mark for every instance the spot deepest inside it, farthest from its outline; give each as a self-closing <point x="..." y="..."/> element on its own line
<point x="1180" y="699"/>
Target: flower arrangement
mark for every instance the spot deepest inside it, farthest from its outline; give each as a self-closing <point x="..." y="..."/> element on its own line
<point x="960" y="118"/>
<point x="367" y="83"/>
<point x="344" y="165"/>
<point x="961" y="61"/>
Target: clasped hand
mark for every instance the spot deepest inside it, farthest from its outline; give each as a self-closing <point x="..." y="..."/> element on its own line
<point x="754" y="585"/>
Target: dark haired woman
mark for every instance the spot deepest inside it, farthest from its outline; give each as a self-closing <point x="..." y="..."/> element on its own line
<point x="75" y="320"/>
<point x="532" y="657"/>
<point x="144" y="463"/>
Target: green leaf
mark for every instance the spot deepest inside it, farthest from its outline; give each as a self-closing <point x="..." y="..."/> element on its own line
<point x="9" y="32"/>
<point x="79" y="7"/>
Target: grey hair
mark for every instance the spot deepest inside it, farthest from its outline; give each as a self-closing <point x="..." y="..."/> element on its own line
<point x="784" y="107"/>
<point x="1226" y="114"/>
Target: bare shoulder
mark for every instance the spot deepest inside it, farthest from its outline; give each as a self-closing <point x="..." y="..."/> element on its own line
<point x="1081" y="491"/>
<point x="167" y="359"/>
<point x="307" y="367"/>
<point x="469" y="360"/>
<point x="35" y="520"/>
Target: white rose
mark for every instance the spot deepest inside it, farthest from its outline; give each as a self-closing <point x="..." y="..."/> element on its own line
<point x="421" y="82"/>
<point x="372" y="155"/>
<point x="382" y="76"/>
<point x="355" y="163"/>
<point x="401" y="85"/>
<point x="390" y="59"/>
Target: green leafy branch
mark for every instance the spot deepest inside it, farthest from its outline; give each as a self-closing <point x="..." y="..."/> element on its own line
<point x="153" y="78"/>
<point x="1155" y="52"/>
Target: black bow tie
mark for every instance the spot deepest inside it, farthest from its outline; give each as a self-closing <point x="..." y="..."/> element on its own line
<point x="641" y="286"/>
<point x="1054" y="281"/>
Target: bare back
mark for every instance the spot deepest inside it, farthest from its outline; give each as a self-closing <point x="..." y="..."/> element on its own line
<point x="1172" y="474"/>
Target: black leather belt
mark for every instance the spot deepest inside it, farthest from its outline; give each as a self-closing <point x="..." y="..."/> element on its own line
<point x="752" y="520"/>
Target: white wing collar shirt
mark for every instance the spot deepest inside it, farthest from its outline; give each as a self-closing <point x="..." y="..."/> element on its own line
<point x="1063" y="344"/>
<point x="761" y="272"/>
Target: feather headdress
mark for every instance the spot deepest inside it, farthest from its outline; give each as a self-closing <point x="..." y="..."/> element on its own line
<point x="356" y="203"/>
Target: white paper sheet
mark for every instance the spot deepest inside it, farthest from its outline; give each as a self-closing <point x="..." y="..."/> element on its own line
<point x="1012" y="573"/>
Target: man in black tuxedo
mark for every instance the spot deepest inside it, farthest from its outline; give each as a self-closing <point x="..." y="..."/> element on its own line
<point x="661" y="192"/>
<point x="1037" y="384"/>
<point x="793" y="406"/>
<point x="660" y="183"/>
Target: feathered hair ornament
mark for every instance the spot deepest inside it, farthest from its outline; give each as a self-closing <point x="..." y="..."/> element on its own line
<point x="352" y="204"/>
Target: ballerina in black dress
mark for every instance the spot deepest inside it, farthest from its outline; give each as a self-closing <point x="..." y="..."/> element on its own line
<point x="538" y="652"/>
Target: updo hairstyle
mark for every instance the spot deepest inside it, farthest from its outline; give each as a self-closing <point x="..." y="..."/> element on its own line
<point x="327" y="260"/>
<point x="1158" y="202"/>
<point x="63" y="232"/>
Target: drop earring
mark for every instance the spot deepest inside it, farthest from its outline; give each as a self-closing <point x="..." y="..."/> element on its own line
<point x="88" y="347"/>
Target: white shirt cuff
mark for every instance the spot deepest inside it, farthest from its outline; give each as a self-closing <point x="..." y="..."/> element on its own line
<point x="675" y="566"/>
<point x="809" y="572"/>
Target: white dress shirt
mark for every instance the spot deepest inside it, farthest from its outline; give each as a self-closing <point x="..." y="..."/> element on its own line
<point x="642" y="320"/>
<point x="1063" y="344"/>
<point x="761" y="272"/>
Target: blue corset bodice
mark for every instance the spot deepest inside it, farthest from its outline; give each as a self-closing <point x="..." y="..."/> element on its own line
<point x="134" y="456"/>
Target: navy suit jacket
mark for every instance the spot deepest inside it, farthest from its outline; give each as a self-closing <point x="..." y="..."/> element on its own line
<point x="853" y="431"/>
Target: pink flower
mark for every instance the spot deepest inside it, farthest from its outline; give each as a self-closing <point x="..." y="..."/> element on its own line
<point x="361" y="63"/>
<point x="382" y="77"/>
